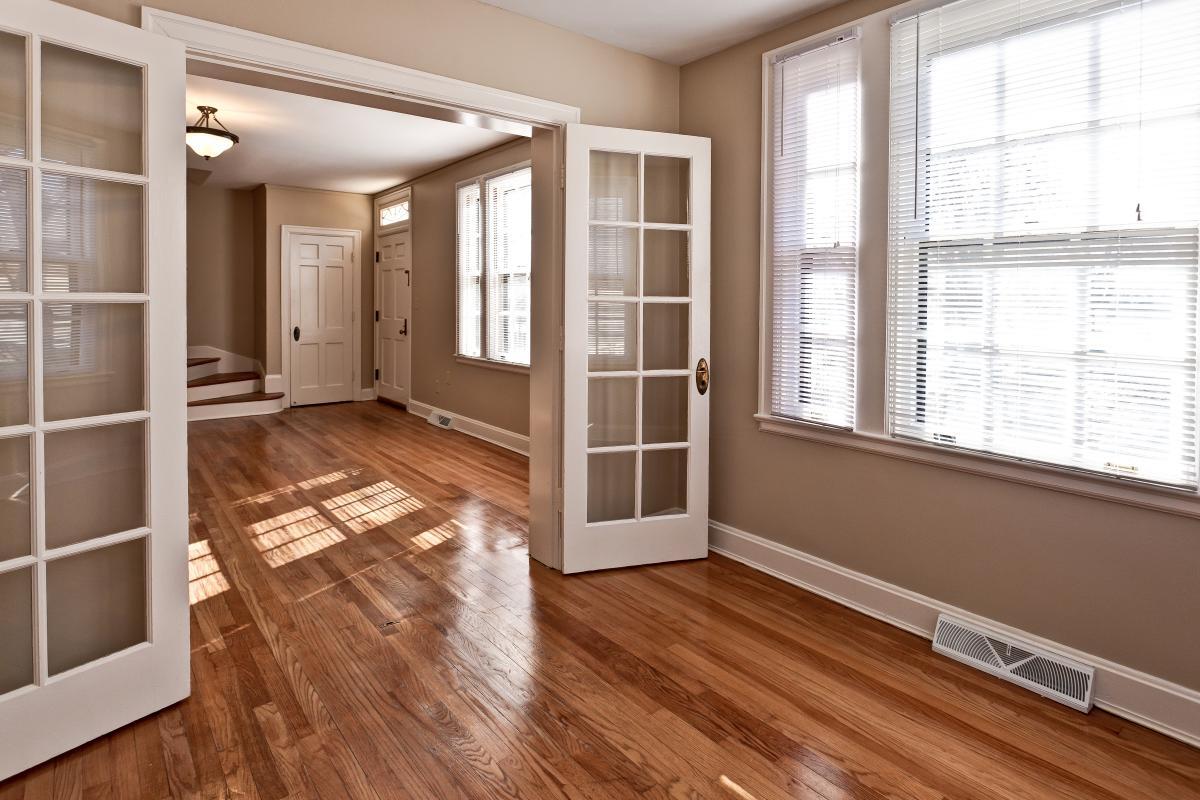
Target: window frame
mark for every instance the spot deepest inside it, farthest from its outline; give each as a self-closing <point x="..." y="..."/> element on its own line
<point x="482" y="360"/>
<point x="872" y="432"/>
<point x="388" y="200"/>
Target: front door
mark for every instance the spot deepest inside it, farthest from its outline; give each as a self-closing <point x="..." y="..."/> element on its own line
<point x="394" y="303"/>
<point x="635" y="435"/>
<point x="322" y="316"/>
<point x="93" y="450"/>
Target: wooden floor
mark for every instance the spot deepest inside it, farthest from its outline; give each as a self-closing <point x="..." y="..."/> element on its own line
<point x="366" y="624"/>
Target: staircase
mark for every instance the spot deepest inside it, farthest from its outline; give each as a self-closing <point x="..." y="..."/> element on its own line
<point x="214" y="394"/>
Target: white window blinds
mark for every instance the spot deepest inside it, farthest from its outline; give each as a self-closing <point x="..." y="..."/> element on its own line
<point x="813" y="195"/>
<point x="1045" y="193"/>
<point x="470" y="271"/>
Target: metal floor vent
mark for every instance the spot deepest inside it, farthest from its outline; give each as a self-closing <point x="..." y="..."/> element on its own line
<point x="1049" y="674"/>
<point x="440" y="420"/>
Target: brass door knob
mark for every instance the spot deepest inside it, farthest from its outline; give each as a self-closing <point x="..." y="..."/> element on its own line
<point x="702" y="375"/>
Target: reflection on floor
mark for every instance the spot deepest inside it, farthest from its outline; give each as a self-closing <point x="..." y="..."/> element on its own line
<point x="366" y="624"/>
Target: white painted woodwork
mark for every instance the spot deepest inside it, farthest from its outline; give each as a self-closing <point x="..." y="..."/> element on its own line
<point x="393" y="301"/>
<point x="322" y="310"/>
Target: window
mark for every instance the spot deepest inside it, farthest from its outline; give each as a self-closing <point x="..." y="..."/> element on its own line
<point x="494" y="258"/>
<point x="1044" y="244"/>
<point x="393" y="214"/>
<point x="813" y="249"/>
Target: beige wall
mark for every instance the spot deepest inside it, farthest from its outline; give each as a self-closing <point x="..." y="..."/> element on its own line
<point x="1105" y="578"/>
<point x="494" y="396"/>
<point x="318" y="209"/>
<point x="461" y="39"/>
<point x="220" y="279"/>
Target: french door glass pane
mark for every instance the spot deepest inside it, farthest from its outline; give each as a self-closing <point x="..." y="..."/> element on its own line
<point x="613" y="189"/>
<point x="666" y="259"/>
<point x="91" y="110"/>
<point x="612" y="261"/>
<point x="612" y="336"/>
<point x="666" y="338"/>
<point x="14" y="220"/>
<point x="91" y="235"/>
<point x="95" y="604"/>
<point x="665" y="410"/>
<point x="664" y="482"/>
<point x="12" y="95"/>
<point x="611" y="489"/>
<point x="612" y="411"/>
<point x="93" y="359"/>
<point x="14" y="364"/>
<point x="667" y="186"/>
<point x="16" y="629"/>
<point x="15" y="521"/>
<point x="95" y="482"/>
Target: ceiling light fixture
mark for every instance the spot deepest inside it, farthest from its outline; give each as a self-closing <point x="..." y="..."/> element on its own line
<point x="204" y="139"/>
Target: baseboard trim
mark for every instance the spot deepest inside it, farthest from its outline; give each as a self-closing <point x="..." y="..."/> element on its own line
<point x="1156" y="703"/>
<point x="230" y="361"/>
<point x="366" y="394"/>
<point x="473" y="427"/>
<point x="274" y="383"/>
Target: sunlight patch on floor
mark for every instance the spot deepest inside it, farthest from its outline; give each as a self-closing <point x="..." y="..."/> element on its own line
<point x="205" y="578"/>
<point x="328" y="478"/>
<point x="295" y="534"/>
<point x="435" y="536"/>
<point x="372" y="506"/>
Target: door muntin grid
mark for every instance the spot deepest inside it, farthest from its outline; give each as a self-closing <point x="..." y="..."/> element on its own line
<point x="639" y="337"/>
<point x="74" y="501"/>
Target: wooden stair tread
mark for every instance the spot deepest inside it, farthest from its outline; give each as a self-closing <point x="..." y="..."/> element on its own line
<point x="202" y="360"/>
<point x="223" y="377"/>
<point x="248" y="397"/>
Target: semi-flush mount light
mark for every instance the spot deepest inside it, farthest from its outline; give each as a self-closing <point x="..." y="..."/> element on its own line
<point x="204" y="139"/>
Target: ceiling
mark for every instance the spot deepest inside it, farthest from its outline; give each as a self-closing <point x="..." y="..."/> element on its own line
<point x="674" y="31"/>
<point x="294" y="140"/>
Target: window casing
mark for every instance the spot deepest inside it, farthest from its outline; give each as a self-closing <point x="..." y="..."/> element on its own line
<point x="494" y="258"/>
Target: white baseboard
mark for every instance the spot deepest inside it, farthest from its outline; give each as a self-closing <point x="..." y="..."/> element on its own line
<point x="274" y="383"/>
<point x="230" y="362"/>
<point x="366" y="394"/>
<point x="473" y="427"/>
<point x="1156" y="703"/>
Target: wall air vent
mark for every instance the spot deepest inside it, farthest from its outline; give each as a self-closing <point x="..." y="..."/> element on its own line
<point x="1045" y="672"/>
<point x="441" y="420"/>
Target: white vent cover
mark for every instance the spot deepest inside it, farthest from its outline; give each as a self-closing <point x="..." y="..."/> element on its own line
<point x="440" y="419"/>
<point x="1049" y="674"/>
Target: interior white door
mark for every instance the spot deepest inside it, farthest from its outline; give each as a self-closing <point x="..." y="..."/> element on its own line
<point x="636" y="320"/>
<point x="322" y="316"/>
<point x="394" y="305"/>
<point x="93" y="450"/>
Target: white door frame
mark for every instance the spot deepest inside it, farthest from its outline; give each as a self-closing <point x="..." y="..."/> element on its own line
<point x="225" y="46"/>
<point x="285" y="302"/>
<point x="387" y="199"/>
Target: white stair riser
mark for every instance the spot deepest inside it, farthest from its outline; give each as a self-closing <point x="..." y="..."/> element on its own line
<point x="226" y="410"/>
<point x="224" y="389"/>
<point x="203" y="370"/>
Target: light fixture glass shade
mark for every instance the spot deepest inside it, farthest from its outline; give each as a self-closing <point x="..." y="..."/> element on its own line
<point x="208" y="144"/>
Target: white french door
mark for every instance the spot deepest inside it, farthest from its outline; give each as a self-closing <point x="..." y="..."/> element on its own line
<point x="393" y="293"/>
<point x="636" y="335"/>
<point x="93" y="451"/>
<point x="323" y="299"/>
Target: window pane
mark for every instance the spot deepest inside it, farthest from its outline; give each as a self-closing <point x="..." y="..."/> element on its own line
<point x="613" y="188"/>
<point x="470" y="272"/>
<point x="14" y="232"/>
<point x="14" y="364"/>
<point x="612" y="261"/>
<point x="665" y="410"/>
<point x="667" y="263"/>
<point x="664" y="482"/>
<point x="666" y="336"/>
<point x="611" y="486"/>
<point x="668" y="181"/>
<point x="12" y="95"/>
<point x="95" y="482"/>
<point x="612" y="411"/>
<point x="92" y="235"/>
<point x="508" y="259"/>
<point x="93" y="359"/>
<point x="390" y="215"/>
<point x="15" y="520"/>
<point x="612" y="336"/>
<point x="16" y="628"/>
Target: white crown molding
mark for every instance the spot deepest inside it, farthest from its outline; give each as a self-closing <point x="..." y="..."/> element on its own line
<point x="1156" y="703"/>
<point x="507" y="439"/>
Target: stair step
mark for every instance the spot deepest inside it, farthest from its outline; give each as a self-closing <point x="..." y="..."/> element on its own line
<point x="249" y="397"/>
<point x="202" y="360"/>
<point x="222" y="377"/>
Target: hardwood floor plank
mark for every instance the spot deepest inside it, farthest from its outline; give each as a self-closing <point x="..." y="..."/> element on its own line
<point x="366" y="624"/>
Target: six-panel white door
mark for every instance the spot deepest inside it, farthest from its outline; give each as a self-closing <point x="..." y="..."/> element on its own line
<point x="322" y="317"/>
<point x="636" y="305"/>
<point x="93" y="451"/>
<point x="394" y="303"/>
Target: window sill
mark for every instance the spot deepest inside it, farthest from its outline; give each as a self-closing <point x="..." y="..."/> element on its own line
<point x="1158" y="498"/>
<point x="503" y="366"/>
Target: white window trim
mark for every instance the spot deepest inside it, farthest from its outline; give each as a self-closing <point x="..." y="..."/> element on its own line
<point x="481" y="360"/>
<point x="872" y="433"/>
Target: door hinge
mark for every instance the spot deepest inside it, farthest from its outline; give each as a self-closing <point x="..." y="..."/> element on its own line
<point x="562" y="178"/>
<point x="377" y="315"/>
<point x="376" y="374"/>
<point x="559" y="499"/>
<point x="376" y="256"/>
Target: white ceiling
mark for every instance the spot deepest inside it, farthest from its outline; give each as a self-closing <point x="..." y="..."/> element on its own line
<point x="293" y="140"/>
<point x="674" y="31"/>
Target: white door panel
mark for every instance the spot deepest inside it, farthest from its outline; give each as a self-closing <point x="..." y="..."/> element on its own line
<point x="93" y="453"/>
<point x="322" y="286"/>
<point x="636" y="320"/>
<point x="394" y="281"/>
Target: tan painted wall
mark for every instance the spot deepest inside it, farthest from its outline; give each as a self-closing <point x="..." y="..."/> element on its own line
<point x="1105" y="578"/>
<point x="461" y="39"/>
<point x="320" y="209"/>
<point x="220" y="280"/>
<point x="493" y="396"/>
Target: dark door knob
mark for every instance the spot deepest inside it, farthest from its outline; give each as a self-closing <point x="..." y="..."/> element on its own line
<point x="296" y="333"/>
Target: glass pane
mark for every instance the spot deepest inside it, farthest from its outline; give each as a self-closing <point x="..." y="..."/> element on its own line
<point x="14" y="364"/>
<point x="91" y="235"/>
<point x="667" y="186"/>
<point x="613" y="188"/>
<point x="91" y="110"/>
<point x="612" y="336"/>
<point x="664" y="482"/>
<point x="14" y="234"/>
<point x="612" y="410"/>
<point x="666" y="336"/>
<point x="612" y="261"/>
<point x="93" y="359"/>
<point x="15" y="521"/>
<point x="16" y="629"/>
<point x="95" y="482"/>
<point x="666" y="257"/>
<point x="390" y="215"/>
<point x="610" y="486"/>
<point x="665" y="410"/>
<point x="95" y="604"/>
<point x="12" y="95"/>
